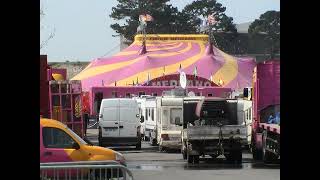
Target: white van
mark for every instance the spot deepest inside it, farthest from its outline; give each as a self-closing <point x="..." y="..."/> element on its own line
<point x="119" y="123"/>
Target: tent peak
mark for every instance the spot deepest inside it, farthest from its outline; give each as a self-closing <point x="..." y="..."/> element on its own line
<point x="143" y="49"/>
<point x="209" y="49"/>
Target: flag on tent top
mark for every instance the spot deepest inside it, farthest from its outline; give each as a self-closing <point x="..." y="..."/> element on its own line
<point x="211" y="20"/>
<point x="204" y="23"/>
<point x="195" y="72"/>
<point x="145" y="18"/>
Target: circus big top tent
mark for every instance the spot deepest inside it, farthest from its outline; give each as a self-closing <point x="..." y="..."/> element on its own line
<point x="165" y="55"/>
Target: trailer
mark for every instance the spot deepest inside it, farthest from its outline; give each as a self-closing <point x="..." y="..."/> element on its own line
<point x="169" y="122"/>
<point x="266" y="112"/>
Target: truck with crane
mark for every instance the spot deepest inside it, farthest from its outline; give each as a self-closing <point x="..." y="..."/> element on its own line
<point x="266" y="112"/>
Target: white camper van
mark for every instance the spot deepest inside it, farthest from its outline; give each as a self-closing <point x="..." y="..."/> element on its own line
<point x="150" y="119"/>
<point x="169" y="122"/>
<point x="119" y="122"/>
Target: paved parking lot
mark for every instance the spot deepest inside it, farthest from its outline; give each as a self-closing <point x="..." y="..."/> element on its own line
<point x="148" y="163"/>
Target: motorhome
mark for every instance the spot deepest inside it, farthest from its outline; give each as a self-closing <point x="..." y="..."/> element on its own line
<point x="169" y="122"/>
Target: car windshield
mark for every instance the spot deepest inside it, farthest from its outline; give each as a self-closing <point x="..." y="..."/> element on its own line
<point x="76" y="136"/>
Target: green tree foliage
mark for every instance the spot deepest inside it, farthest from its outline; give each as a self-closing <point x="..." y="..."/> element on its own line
<point x="167" y="19"/>
<point x="269" y="25"/>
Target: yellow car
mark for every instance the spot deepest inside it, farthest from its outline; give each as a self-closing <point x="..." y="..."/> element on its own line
<point x="60" y="144"/>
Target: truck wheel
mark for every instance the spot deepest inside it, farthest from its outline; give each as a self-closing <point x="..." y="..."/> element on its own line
<point x="190" y="158"/>
<point x="196" y="159"/>
<point x="238" y="156"/>
<point x="184" y="154"/>
<point x="161" y="149"/>
<point x="256" y="153"/>
<point x="154" y="142"/>
<point x="267" y="156"/>
<point x="146" y="138"/>
<point x="138" y="146"/>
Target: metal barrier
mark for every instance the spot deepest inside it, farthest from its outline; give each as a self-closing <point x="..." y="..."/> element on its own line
<point x="85" y="170"/>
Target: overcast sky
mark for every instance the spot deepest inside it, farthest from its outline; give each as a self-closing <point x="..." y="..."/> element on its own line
<point x="82" y="27"/>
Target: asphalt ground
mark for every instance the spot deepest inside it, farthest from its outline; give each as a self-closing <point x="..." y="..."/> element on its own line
<point x="148" y="163"/>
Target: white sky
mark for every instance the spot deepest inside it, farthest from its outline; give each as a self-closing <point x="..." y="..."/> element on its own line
<point x="82" y="27"/>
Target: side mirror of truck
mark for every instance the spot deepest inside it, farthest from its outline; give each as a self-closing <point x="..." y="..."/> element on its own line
<point x="141" y="119"/>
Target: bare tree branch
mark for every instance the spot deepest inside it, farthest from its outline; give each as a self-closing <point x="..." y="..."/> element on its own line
<point x="45" y="42"/>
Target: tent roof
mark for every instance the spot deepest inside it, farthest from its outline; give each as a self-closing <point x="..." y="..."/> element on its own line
<point x="165" y="54"/>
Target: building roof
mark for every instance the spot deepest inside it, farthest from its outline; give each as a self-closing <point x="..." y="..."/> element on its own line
<point x="243" y="27"/>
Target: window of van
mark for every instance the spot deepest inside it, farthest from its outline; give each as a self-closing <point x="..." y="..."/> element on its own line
<point x="152" y="114"/>
<point x="146" y="115"/>
<point x="165" y="115"/>
<point x="176" y="113"/>
<point x="56" y="138"/>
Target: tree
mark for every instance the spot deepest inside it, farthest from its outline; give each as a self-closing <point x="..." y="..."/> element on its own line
<point x="201" y="9"/>
<point x="167" y="19"/>
<point x="51" y="35"/>
<point x="268" y="24"/>
<point x="224" y="30"/>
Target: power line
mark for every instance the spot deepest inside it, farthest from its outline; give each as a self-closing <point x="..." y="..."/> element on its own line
<point x="110" y="50"/>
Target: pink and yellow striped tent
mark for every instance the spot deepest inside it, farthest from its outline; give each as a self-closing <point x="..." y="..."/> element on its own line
<point x="165" y="55"/>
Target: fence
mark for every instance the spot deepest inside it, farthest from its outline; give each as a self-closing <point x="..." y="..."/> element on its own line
<point x="84" y="170"/>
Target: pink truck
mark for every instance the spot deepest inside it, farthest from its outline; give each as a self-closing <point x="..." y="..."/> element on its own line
<point x="266" y="112"/>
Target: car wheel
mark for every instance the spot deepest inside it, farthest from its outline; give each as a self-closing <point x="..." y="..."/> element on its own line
<point x="138" y="146"/>
<point x="100" y="137"/>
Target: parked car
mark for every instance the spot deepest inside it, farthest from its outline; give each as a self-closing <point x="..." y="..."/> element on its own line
<point x="58" y="143"/>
